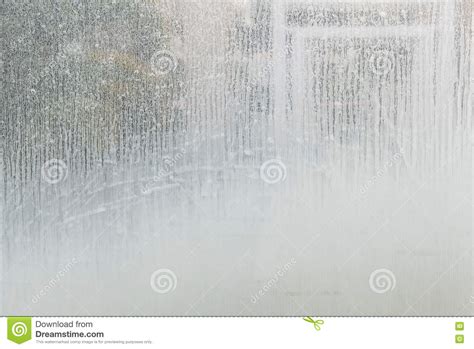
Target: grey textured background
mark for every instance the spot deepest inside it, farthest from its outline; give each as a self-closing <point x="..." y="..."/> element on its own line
<point x="236" y="158"/>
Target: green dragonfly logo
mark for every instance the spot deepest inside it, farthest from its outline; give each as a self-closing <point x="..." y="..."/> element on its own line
<point x="316" y="323"/>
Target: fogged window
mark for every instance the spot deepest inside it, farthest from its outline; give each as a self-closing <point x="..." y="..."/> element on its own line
<point x="236" y="157"/>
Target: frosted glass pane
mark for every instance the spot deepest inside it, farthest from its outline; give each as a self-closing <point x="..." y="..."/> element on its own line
<point x="236" y="158"/>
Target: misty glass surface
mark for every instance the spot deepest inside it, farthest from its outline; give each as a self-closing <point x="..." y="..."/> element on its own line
<point x="237" y="157"/>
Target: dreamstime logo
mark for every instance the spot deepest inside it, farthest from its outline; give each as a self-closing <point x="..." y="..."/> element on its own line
<point x="382" y="62"/>
<point x="273" y="281"/>
<point x="54" y="171"/>
<point x="19" y="329"/>
<point x="381" y="171"/>
<point x="382" y="281"/>
<point x="163" y="281"/>
<point x="163" y="62"/>
<point x="167" y="165"/>
<point x="52" y="283"/>
<point x="273" y="171"/>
